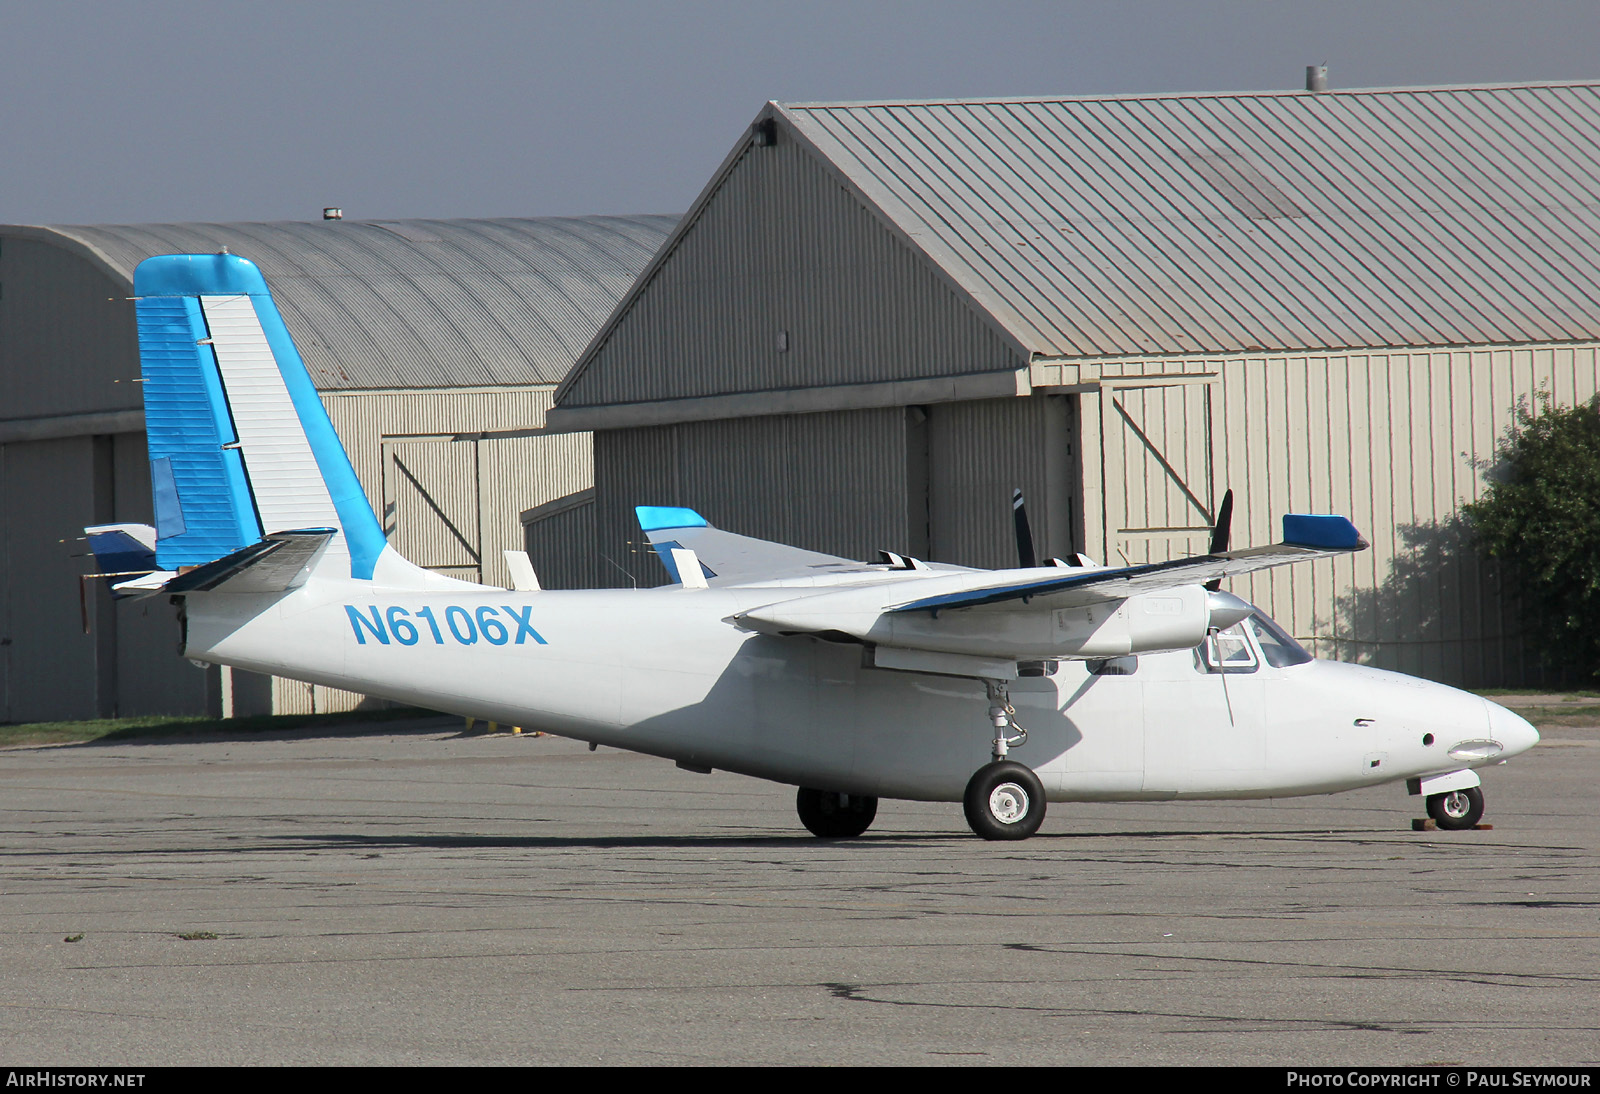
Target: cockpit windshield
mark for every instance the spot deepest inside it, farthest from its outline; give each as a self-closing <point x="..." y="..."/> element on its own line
<point x="1277" y="646"/>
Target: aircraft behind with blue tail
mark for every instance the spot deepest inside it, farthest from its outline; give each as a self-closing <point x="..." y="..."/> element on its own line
<point x="853" y="681"/>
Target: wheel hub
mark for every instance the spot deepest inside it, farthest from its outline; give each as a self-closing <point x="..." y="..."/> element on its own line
<point x="1008" y="803"/>
<point x="1457" y="805"/>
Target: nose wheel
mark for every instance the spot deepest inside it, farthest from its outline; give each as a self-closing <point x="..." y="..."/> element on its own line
<point x="1457" y="810"/>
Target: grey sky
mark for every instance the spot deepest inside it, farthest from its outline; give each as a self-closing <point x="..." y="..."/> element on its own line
<point x="136" y="112"/>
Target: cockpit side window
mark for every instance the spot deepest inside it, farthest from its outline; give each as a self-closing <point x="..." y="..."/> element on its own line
<point x="1279" y="649"/>
<point x="1227" y="651"/>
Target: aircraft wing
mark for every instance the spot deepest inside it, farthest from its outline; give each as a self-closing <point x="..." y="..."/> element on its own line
<point x="1045" y="612"/>
<point x="1305" y="537"/>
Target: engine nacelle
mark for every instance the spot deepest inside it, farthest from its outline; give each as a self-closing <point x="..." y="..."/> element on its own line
<point x="1172" y="619"/>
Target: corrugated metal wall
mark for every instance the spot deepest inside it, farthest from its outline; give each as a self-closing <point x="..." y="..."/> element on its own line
<point x="932" y="481"/>
<point x="559" y="537"/>
<point x="478" y="487"/>
<point x="841" y="483"/>
<point x="47" y="663"/>
<point x="49" y="668"/>
<point x="1396" y="441"/>
<point x="68" y="345"/>
<point x="978" y="453"/>
<point x="783" y="256"/>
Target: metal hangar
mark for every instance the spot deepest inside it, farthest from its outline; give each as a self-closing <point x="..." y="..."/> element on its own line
<point x="420" y="335"/>
<point x="879" y="318"/>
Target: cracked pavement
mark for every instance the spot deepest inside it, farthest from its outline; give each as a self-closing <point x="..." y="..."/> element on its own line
<point x="416" y="895"/>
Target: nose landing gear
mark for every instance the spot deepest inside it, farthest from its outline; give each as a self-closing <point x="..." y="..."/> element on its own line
<point x="1004" y="799"/>
<point x="1457" y="810"/>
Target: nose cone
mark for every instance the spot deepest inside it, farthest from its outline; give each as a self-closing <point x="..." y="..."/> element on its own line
<point x="1513" y="731"/>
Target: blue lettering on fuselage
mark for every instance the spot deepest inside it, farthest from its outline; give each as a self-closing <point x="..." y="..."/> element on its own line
<point x="465" y="625"/>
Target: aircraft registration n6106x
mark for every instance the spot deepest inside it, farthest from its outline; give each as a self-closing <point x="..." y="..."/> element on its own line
<point x="853" y="681"/>
<point x="465" y="626"/>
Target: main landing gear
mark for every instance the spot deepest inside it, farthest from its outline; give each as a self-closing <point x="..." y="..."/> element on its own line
<point x="835" y="816"/>
<point x="1004" y="799"/>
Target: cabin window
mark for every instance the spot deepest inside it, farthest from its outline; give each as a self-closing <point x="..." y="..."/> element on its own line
<point x="1228" y="651"/>
<point x="1277" y="647"/>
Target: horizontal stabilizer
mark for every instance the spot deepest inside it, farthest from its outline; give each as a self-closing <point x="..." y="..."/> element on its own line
<point x="122" y="551"/>
<point x="122" y="548"/>
<point x="727" y="558"/>
<point x="275" y="564"/>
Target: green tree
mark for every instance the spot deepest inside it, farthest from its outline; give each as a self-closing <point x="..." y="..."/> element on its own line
<point x="1540" y="517"/>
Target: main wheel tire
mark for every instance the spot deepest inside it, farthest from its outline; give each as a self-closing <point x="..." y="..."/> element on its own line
<point x="832" y="815"/>
<point x="1456" y="810"/>
<point x="1004" y="800"/>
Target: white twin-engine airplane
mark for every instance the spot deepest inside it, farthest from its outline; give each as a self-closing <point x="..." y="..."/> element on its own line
<point x="852" y="681"/>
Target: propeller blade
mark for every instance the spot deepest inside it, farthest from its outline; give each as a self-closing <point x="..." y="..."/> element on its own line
<point x="1026" y="558"/>
<point x="1221" y="533"/>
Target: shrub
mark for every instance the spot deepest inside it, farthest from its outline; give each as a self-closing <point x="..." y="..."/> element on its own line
<point x="1540" y="517"/>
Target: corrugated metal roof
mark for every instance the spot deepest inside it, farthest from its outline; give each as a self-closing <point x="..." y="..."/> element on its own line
<point x="421" y="303"/>
<point x="1214" y="223"/>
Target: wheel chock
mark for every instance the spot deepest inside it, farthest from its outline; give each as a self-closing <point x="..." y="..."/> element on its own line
<point x="1425" y="824"/>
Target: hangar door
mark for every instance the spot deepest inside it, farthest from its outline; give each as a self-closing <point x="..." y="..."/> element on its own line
<point x="451" y="505"/>
<point x="976" y="453"/>
<point x="1157" y="443"/>
<point x="430" y="504"/>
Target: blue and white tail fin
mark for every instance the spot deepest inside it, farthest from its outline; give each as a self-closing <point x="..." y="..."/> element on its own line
<point x="241" y="448"/>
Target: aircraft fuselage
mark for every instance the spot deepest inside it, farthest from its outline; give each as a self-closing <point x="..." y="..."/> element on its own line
<point x="661" y="671"/>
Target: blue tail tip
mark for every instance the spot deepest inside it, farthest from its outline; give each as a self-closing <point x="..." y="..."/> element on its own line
<point x="653" y="518"/>
<point x="1322" y="532"/>
<point x="198" y="275"/>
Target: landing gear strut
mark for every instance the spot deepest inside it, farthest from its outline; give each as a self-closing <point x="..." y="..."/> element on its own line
<point x="1004" y="799"/>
